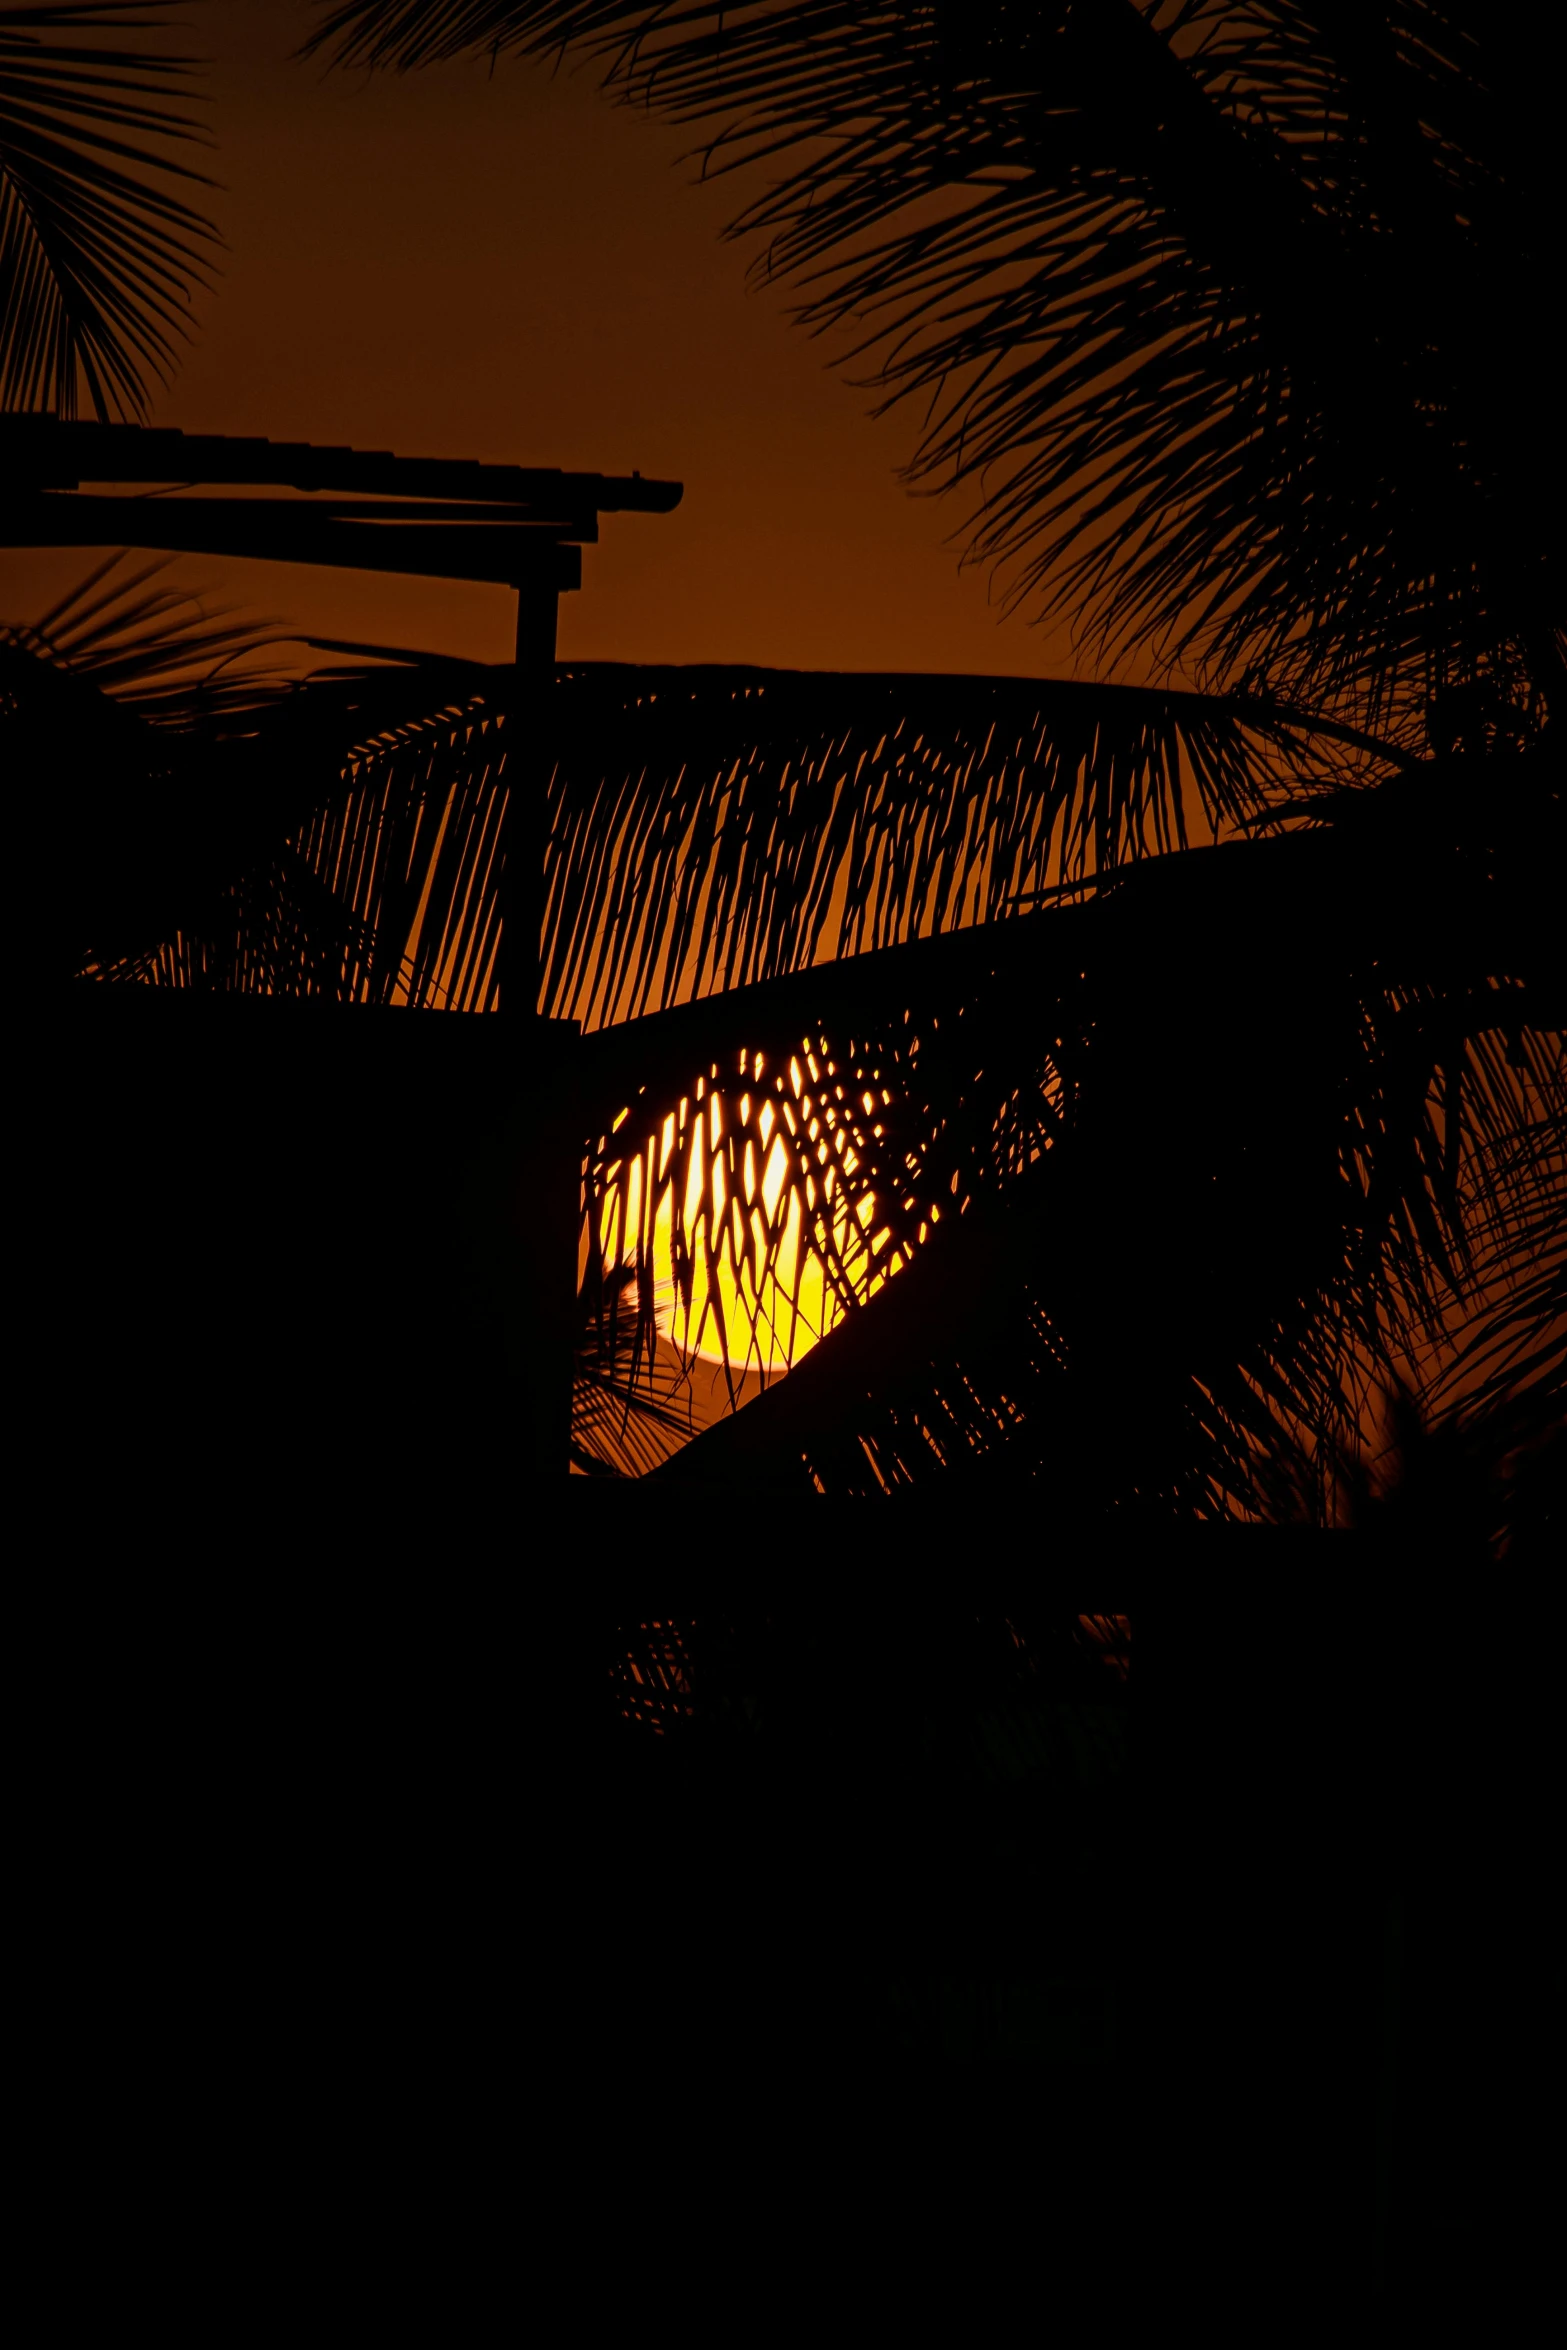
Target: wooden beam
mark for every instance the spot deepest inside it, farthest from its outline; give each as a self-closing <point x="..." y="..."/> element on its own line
<point x="288" y="531"/>
<point x="43" y="452"/>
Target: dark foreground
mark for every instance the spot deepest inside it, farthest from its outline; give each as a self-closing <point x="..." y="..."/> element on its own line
<point x="555" y="1889"/>
<point x="801" y="1914"/>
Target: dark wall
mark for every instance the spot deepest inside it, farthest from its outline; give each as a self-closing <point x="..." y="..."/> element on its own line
<point x="295" y="1261"/>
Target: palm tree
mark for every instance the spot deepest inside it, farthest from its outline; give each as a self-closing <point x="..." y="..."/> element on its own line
<point x="99" y="251"/>
<point x="1083" y="1094"/>
<point x="1186" y="300"/>
<point x="1211" y="313"/>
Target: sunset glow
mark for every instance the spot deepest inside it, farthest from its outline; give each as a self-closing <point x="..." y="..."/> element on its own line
<point x="747" y="1187"/>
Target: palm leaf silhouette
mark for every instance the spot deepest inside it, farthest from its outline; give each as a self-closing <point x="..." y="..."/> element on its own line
<point x="99" y="253"/>
<point x="159" y="652"/>
<point x="1096" y="1089"/>
<point x="1206" y="306"/>
<point x="710" y="828"/>
<point x="162" y="746"/>
<point x="911" y="1004"/>
<point x="786" y="1150"/>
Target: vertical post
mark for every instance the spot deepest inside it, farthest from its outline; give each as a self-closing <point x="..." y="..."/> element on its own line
<point x="542" y="1136"/>
<point x="522" y="889"/>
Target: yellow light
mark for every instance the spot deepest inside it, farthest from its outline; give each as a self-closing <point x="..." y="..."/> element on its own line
<point x="774" y="1177"/>
<point x="760" y="1320"/>
<point x="693" y="1199"/>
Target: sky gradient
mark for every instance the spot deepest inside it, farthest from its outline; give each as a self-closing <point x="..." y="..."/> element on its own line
<point x="510" y="268"/>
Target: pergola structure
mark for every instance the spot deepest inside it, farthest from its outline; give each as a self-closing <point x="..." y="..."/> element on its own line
<point x="67" y="484"/>
<point x="439" y="517"/>
<point x="456" y="1105"/>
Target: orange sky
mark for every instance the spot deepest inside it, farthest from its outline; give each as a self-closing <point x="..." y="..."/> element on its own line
<point x="509" y="268"/>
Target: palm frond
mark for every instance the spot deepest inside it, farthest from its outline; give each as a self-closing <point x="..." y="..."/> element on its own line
<point x="1510" y="1344"/>
<point x="166" y="765"/>
<point x="763" y="1200"/>
<point x="712" y="827"/>
<point x="99" y="255"/>
<point x="709" y="828"/>
<point x="766" y="1161"/>
<point x="159" y="652"/>
<point x="993" y="1371"/>
<point x="627" y="1415"/>
<point x="1349" y="1162"/>
<point x="275" y="932"/>
<point x="1203" y="304"/>
<point x="331" y="868"/>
